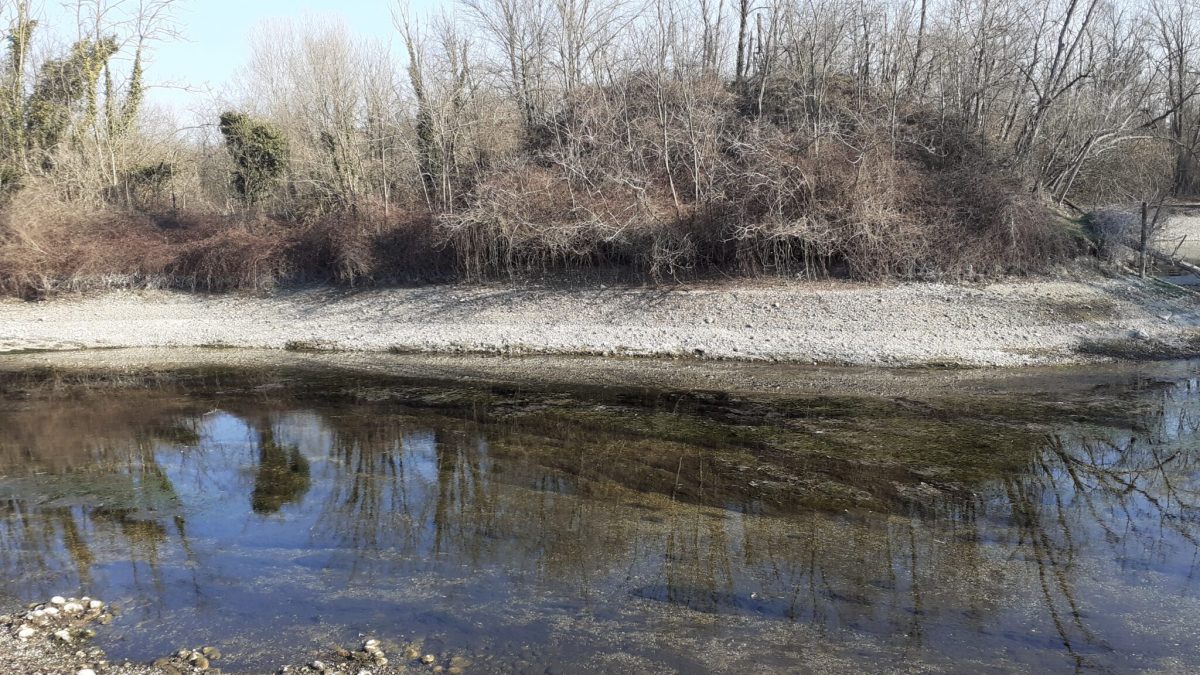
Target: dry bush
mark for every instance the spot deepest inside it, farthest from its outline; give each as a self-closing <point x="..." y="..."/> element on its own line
<point x="663" y="180"/>
<point x="45" y="246"/>
<point x="370" y="246"/>
<point x="242" y="255"/>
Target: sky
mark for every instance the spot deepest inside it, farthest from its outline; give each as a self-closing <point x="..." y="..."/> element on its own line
<point x="186" y="74"/>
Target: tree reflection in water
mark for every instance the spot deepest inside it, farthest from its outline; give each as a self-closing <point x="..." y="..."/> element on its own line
<point x="282" y="474"/>
<point x="1034" y="547"/>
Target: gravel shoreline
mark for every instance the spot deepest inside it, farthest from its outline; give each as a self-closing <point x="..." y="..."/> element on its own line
<point x="1013" y="323"/>
<point x="53" y="638"/>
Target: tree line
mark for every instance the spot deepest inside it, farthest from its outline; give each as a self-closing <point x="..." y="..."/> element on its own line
<point x="870" y="138"/>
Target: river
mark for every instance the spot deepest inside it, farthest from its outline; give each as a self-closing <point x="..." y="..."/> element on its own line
<point x="530" y="527"/>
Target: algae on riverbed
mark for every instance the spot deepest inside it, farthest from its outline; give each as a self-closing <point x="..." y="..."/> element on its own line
<point x="285" y="511"/>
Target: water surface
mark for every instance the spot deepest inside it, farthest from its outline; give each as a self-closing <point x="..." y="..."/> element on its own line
<point x="559" y="529"/>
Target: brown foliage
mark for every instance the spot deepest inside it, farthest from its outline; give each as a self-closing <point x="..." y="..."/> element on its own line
<point x="713" y="187"/>
<point x="114" y="248"/>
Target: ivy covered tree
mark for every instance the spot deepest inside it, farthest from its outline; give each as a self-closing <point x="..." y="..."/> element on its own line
<point x="65" y="91"/>
<point x="12" y="84"/>
<point x="259" y="151"/>
<point x="69" y="108"/>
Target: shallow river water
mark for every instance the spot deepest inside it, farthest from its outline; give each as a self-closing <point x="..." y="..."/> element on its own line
<point x="601" y="529"/>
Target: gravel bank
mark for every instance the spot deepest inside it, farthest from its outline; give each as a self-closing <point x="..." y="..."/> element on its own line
<point x="1004" y="324"/>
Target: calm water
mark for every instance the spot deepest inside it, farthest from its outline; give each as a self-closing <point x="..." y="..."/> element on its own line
<point x="598" y="530"/>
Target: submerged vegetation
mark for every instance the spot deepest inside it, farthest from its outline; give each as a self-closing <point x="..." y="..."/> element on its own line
<point x="274" y="511"/>
<point x="891" y="138"/>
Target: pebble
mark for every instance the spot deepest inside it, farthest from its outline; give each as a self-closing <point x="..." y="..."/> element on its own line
<point x="95" y="604"/>
<point x="199" y="662"/>
<point x="211" y="652"/>
<point x="428" y="658"/>
<point x="49" y="611"/>
<point x="73" y="608"/>
<point x="58" y="600"/>
<point x="86" y="671"/>
<point x="64" y="635"/>
<point x="26" y="632"/>
<point x="318" y="665"/>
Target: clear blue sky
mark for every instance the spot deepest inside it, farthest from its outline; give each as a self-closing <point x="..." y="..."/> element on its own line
<point x="217" y="35"/>
<point x="216" y="40"/>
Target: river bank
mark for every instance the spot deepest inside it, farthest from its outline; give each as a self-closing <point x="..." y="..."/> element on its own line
<point x="1044" y="322"/>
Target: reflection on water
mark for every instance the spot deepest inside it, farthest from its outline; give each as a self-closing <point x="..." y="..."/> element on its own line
<point x="611" y="530"/>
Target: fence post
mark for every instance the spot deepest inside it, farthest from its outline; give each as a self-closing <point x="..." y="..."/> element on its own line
<point x="1144" y="238"/>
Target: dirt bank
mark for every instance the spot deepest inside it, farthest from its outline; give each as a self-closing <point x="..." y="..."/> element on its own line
<point x="1004" y="324"/>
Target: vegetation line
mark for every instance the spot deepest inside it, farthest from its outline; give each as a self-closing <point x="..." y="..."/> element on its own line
<point x="649" y="138"/>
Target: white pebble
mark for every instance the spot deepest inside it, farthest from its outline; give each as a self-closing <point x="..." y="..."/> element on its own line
<point x="72" y="608"/>
<point x="52" y="611"/>
<point x="86" y="671"/>
<point x="58" y="600"/>
<point x="64" y="635"/>
<point x="95" y="604"/>
<point x="26" y="632"/>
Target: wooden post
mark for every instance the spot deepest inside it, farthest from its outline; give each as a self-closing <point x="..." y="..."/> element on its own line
<point x="1145" y="236"/>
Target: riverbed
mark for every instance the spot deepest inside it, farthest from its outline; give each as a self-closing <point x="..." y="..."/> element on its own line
<point x="591" y="515"/>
